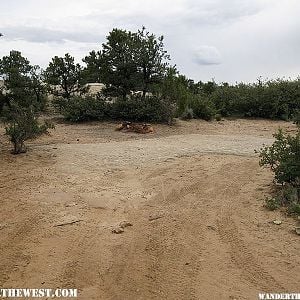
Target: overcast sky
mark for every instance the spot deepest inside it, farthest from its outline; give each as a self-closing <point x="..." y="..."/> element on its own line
<point x="228" y="40"/>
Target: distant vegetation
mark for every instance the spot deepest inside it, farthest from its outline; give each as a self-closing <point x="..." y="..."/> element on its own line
<point x="140" y="85"/>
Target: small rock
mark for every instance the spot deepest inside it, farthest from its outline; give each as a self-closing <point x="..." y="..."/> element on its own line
<point x="155" y="217"/>
<point x="277" y="222"/>
<point x="125" y="224"/>
<point x="70" y="204"/>
<point x="117" y="230"/>
<point x="68" y="221"/>
<point x="211" y="227"/>
<point x="297" y="229"/>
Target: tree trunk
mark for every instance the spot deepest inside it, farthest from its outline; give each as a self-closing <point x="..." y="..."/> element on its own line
<point x="19" y="147"/>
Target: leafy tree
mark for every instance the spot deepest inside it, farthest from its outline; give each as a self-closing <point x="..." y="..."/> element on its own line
<point x="119" y="69"/>
<point x="23" y="96"/>
<point x="173" y="92"/>
<point x="64" y="77"/>
<point x="128" y="62"/>
<point x="92" y="71"/>
<point x="151" y="59"/>
<point x="22" y="82"/>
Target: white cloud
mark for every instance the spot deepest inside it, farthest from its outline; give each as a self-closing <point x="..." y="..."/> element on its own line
<point x="207" y="55"/>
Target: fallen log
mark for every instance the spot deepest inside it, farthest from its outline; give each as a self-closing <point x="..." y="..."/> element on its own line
<point x="135" y="127"/>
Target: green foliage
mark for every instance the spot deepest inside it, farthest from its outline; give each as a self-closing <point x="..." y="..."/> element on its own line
<point x="22" y="83"/>
<point x="296" y="118"/>
<point x="289" y="196"/>
<point x="151" y="59"/>
<point x="22" y="97"/>
<point x="272" y="203"/>
<point x="64" y="77"/>
<point x="119" y="70"/>
<point x="203" y="108"/>
<point x="294" y="209"/>
<point x="23" y="126"/>
<point x="92" y="72"/>
<point x="283" y="157"/>
<point x="128" y="62"/>
<point x="226" y="100"/>
<point x="173" y="88"/>
<point x="78" y="108"/>
<point x="188" y="114"/>
<point x="133" y="108"/>
<point x="275" y="99"/>
<point x="139" y="108"/>
<point x="218" y="117"/>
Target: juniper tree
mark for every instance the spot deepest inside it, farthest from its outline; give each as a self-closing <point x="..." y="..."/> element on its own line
<point x="128" y="62"/>
<point x="64" y="76"/>
<point x="23" y="96"/>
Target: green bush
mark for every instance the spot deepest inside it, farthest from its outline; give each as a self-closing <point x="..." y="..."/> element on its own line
<point x="218" y="117"/>
<point x="294" y="208"/>
<point x="275" y="99"/>
<point x="203" y="108"/>
<point x="272" y="203"/>
<point x="139" y="108"/>
<point x="23" y="125"/>
<point x="77" y="109"/>
<point x="133" y="108"/>
<point x="283" y="157"/>
<point x="296" y="118"/>
<point x="188" y="114"/>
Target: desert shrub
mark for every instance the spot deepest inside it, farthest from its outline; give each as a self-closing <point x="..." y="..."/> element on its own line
<point x="294" y="208"/>
<point x="139" y="108"/>
<point x="188" y="114"/>
<point x="225" y="99"/>
<point x="173" y="88"/>
<point x="132" y="108"/>
<point x="23" y="96"/>
<point x="275" y="99"/>
<point x="77" y="109"/>
<point x="218" y="117"/>
<point x="296" y="118"/>
<point x="203" y="108"/>
<point x="283" y="157"/>
<point x="272" y="203"/>
<point x="59" y="103"/>
<point x="23" y="125"/>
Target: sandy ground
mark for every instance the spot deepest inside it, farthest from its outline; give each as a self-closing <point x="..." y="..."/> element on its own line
<point x="193" y="193"/>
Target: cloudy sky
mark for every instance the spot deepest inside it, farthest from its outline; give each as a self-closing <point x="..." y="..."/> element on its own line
<point x="228" y="40"/>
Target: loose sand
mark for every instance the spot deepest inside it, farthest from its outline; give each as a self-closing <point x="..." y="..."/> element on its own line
<point x="194" y="194"/>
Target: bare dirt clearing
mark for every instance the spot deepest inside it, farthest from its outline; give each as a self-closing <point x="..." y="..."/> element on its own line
<point x="193" y="192"/>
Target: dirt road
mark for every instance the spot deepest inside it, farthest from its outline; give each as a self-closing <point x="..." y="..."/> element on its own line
<point x="195" y="202"/>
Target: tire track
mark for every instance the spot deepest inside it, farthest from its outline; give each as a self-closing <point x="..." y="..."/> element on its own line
<point x="243" y="258"/>
<point x="240" y="253"/>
